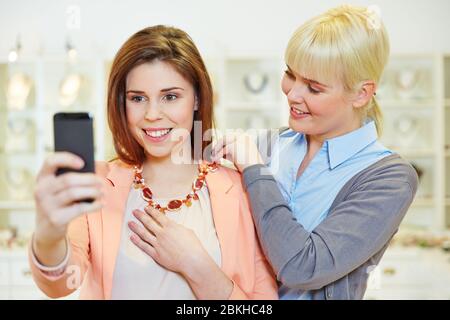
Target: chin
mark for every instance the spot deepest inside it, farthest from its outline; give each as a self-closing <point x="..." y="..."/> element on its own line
<point x="158" y="152"/>
<point x="296" y="126"/>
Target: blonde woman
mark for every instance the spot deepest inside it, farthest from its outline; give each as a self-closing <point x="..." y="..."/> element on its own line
<point x="336" y="195"/>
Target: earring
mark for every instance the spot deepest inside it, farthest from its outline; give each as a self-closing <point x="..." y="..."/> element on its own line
<point x="196" y="104"/>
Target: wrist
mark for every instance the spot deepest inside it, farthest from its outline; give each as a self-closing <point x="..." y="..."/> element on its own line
<point x="48" y="237"/>
<point x="54" y="270"/>
<point x="195" y="266"/>
<point x="43" y="242"/>
<point x="49" y="251"/>
<point x="207" y="280"/>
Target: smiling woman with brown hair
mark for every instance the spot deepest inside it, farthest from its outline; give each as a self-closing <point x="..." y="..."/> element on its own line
<point x="163" y="226"/>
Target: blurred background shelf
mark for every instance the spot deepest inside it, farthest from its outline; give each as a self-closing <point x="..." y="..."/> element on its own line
<point x="408" y="104"/>
<point x="414" y="153"/>
<point x="423" y="202"/>
<point x="12" y="205"/>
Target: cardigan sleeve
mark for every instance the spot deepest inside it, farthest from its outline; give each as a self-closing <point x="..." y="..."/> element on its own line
<point x="359" y="224"/>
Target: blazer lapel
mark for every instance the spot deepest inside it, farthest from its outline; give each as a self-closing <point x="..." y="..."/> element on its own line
<point x="120" y="177"/>
<point x="225" y="209"/>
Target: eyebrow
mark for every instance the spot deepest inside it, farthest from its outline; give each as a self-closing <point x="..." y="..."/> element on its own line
<point x="162" y="90"/>
<point x="309" y="80"/>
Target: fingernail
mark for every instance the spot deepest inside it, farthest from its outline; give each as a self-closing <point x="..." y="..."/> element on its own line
<point x="80" y="163"/>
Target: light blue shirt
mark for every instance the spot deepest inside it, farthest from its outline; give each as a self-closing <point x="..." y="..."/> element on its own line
<point x="311" y="195"/>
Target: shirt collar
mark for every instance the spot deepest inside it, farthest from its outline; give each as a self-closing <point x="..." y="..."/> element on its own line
<point x="344" y="147"/>
<point x="288" y="133"/>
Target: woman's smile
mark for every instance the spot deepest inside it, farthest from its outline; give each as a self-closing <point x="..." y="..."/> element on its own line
<point x="156" y="134"/>
<point x="299" y="114"/>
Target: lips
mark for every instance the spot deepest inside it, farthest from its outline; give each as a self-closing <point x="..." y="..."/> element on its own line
<point x="298" y="114"/>
<point x="157" y="132"/>
<point x="298" y="111"/>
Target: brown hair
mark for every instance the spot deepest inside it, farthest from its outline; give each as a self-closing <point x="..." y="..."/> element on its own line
<point x="162" y="43"/>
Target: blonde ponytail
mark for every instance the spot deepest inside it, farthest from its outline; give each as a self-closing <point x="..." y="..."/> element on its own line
<point x="374" y="113"/>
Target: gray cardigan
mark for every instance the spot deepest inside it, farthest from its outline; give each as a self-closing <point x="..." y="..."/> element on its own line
<point x="334" y="260"/>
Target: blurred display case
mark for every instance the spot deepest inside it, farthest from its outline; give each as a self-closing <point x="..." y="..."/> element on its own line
<point x="446" y="117"/>
<point x="247" y="92"/>
<point x="414" y="94"/>
<point x="31" y="92"/>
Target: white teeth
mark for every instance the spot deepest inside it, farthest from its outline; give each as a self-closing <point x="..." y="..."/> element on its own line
<point x="158" y="133"/>
<point x="298" y="111"/>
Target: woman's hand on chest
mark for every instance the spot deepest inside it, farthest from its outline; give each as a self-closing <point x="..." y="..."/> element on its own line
<point x="170" y="244"/>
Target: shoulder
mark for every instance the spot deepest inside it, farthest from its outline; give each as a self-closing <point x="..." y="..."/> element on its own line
<point x="388" y="183"/>
<point x="225" y="180"/>
<point x="392" y="169"/>
<point x="103" y="168"/>
<point x="228" y="168"/>
<point x="228" y="171"/>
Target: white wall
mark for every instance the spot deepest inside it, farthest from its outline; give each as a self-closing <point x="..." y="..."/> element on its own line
<point x="234" y="26"/>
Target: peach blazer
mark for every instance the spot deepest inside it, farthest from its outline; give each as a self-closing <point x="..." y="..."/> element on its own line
<point x="94" y="240"/>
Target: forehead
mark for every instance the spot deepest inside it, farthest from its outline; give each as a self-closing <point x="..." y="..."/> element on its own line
<point x="315" y="61"/>
<point x="155" y="75"/>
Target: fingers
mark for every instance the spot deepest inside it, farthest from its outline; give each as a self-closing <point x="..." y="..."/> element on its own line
<point x="70" y="195"/>
<point x="145" y="237"/>
<point x="143" y="233"/>
<point x="160" y="218"/>
<point x="144" y="246"/>
<point x="149" y="223"/>
<point x="217" y="147"/>
<point x="69" y="213"/>
<point x="54" y="193"/>
<point x="222" y="146"/>
<point x="60" y="160"/>
<point x="52" y="184"/>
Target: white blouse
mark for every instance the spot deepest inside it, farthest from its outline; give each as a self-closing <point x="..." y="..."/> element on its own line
<point x="137" y="275"/>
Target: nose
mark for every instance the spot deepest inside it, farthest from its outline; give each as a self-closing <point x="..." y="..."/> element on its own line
<point x="153" y="111"/>
<point x="297" y="92"/>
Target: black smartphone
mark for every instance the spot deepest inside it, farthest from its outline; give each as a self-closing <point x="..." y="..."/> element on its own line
<point x="74" y="132"/>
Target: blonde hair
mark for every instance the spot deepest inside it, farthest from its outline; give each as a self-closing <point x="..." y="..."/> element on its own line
<point x="348" y="44"/>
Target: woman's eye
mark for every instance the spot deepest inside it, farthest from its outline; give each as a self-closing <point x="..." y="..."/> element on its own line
<point x="137" y="98"/>
<point x="289" y="74"/>
<point x="312" y="90"/>
<point x="170" y="97"/>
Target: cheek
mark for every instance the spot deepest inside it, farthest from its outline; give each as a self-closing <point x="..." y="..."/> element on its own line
<point x="133" y="114"/>
<point x="327" y="106"/>
<point x="286" y="85"/>
<point x="318" y="105"/>
<point x="182" y="116"/>
<point x="134" y="117"/>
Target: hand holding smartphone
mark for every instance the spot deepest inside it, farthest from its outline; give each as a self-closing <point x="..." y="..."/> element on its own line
<point x="73" y="132"/>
